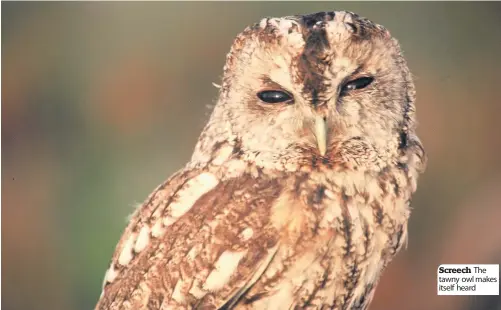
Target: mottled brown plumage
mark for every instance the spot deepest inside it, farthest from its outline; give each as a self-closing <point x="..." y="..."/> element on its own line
<point x="295" y="204"/>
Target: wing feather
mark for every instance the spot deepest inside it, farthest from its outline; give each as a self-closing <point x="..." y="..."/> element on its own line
<point x="197" y="238"/>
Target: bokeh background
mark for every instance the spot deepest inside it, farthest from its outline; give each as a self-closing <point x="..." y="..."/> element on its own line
<point x="102" y="101"/>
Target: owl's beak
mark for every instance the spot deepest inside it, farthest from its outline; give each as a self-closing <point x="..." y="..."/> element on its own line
<point x="321" y="133"/>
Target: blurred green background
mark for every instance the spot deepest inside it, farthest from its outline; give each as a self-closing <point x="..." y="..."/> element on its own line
<point x="102" y="101"/>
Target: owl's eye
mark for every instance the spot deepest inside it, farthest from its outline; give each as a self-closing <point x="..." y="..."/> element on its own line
<point x="356" y="84"/>
<point x="274" y="96"/>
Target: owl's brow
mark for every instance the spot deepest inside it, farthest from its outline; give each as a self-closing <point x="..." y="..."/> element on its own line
<point x="269" y="83"/>
<point x="358" y="72"/>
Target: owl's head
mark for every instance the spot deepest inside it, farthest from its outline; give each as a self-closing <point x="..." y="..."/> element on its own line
<point x="330" y="87"/>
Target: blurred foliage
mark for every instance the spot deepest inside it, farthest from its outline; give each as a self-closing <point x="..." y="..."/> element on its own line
<point x="101" y="101"/>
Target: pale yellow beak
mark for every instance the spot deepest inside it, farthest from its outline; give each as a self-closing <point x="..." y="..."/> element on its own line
<point x="321" y="134"/>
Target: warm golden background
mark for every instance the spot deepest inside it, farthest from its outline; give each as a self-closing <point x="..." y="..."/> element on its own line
<point x="103" y="101"/>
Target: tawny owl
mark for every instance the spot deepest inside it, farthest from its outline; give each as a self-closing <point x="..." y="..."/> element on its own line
<point x="297" y="194"/>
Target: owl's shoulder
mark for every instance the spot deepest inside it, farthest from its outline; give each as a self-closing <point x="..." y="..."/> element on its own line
<point x="181" y="243"/>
